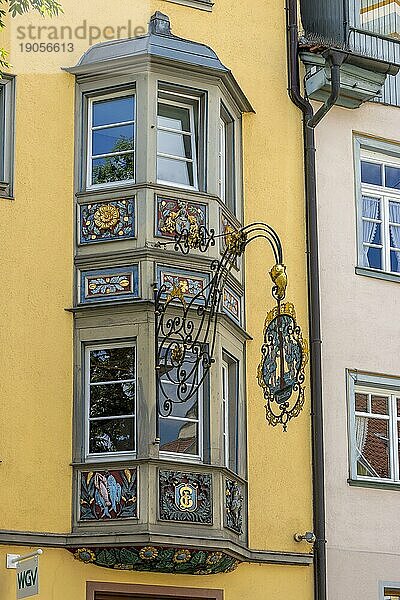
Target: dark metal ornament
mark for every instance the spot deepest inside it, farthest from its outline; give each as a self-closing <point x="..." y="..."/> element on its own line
<point x="185" y="327"/>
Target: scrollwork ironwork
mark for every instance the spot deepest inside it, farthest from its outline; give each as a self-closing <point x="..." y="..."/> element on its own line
<point x="186" y="325"/>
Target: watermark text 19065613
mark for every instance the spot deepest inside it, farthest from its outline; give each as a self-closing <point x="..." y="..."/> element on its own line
<point x="52" y="38"/>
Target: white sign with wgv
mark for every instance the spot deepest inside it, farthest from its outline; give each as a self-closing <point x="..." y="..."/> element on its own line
<point x="28" y="578"/>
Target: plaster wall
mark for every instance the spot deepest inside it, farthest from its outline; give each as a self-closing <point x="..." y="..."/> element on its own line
<point x="36" y="349"/>
<point x="359" y="331"/>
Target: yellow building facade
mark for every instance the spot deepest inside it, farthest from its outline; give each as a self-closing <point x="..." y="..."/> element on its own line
<point x="112" y="148"/>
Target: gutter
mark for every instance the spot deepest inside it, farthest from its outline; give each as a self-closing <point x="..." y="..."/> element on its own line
<point x="310" y="120"/>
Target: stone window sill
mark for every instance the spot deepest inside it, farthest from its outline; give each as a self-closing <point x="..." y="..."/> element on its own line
<point x="199" y="4"/>
<point x="378" y="485"/>
<point x="376" y="274"/>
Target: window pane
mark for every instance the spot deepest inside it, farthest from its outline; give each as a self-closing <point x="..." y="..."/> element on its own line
<point x="373" y="257"/>
<point x="392" y="177"/>
<point x="395" y="261"/>
<point x="177" y="144"/>
<point x="379" y="405"/>
<point x="112" y="400"/>
<point x="112" y="364"/>
<point x="114" y="435"/>
<point x="112" y="168"/>
<point x="178" y="436"/>
<point x="362" y="402"/>
<point x="371" y="207"/>
<point x="394" y="212"/>
<point x="188" y="409"/>
<point x="173" y="117"/>
<point x="372" y="447"/>
<point x="371" y="173"/>
<point x="114" y="110"/>
<point x="175" y="171"/>
<point x="398" y="406"/>
<point x="112" y="139"/>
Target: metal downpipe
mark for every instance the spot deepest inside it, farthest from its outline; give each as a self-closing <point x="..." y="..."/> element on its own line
<point x="310" y="120"/>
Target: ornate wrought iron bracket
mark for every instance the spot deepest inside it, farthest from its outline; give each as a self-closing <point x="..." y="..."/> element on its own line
<point x="185" y="329"/>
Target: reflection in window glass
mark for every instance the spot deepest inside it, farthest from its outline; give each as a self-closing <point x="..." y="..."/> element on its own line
<point x="111" y="140"/>
<point x="376" y="435"/>
<point x="181" y="431"/>
<point x="371" y="173"/>
<point x="392" y="177"/>
<point x="111" y="399"/>
<point x="177" y="143"/>
<point x="392" y="595"/>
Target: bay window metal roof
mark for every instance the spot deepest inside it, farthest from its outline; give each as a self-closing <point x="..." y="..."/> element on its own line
<point x="161" y="46"/>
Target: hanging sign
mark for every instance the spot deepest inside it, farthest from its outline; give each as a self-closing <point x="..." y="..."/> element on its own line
<point x="28" y="577"/>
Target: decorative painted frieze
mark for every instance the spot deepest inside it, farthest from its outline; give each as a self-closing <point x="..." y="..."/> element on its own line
<point x="118" y="283"/>
<point x="175" y="216"/>
<point x="158" y="559"/>
<point x="187" y="284"/>
<point x="234" y="506"/>
<point x="107" y="221"/>
<point x="185" y="497"/>
<point x="226" y="226"/>
<point x="108" y="495"/>
<point x="231" y="304"/>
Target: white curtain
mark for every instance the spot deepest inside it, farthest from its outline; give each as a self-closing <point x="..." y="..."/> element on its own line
<point x="370" y="211"/>
<point x="394" y="217"/>
<point x="361" y="434"/>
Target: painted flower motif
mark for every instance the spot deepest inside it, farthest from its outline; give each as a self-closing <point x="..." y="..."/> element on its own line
<point x="214" y="558"/>
<point x="232" y="567"/>
<point x="85" y="555"/>
<point x="203" y="572"/>
<point x="148" y="553"/>
<point x="106" y="216"/>
<point x="181" y="556"/>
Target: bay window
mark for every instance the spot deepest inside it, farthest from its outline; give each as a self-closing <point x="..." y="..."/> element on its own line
<point x="226" y="159"/>
<point x="111" y="399"/>
<point x="178" y="140"/>
<point x="229" y="380"/>
<point x="111" y="139"/>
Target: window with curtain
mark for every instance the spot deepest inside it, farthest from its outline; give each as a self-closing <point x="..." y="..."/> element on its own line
<point x="380" y="212"/>
<point x="375" y="432"/>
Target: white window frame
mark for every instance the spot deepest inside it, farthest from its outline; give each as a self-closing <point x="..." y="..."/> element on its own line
<point x="181" y="456"/>
<point x="385" y="195"/>
<point x="222" y="159"/>
<point x="7" y="133"/>
<point x="105" y="346"/>
<point x="180" y="103"/>
<point x="225" y="412"/>
<point x="90" y="129"/>
<point x="374" y="385"/>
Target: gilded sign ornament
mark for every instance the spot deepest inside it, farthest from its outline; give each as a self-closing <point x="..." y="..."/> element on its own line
<point x="281" y="372"/>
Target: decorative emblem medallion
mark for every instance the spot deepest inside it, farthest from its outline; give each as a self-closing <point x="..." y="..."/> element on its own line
<point x="284" y="357"/>
<point x="233" y="506"/>
<point x="185" y="497"/>
<point x="106" y="216"/>
<point x="185" y="285"/>
<point x="176" y="216"/>
<point x="158" y="559"/>
<point x="100" y="222"/>
<point x="108" y="495"/>
<point x="231" y="304"/>
<point x="109" y="284"/>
